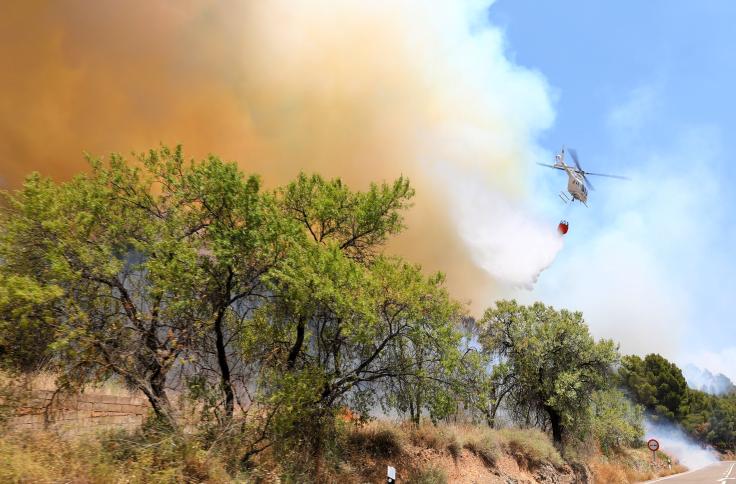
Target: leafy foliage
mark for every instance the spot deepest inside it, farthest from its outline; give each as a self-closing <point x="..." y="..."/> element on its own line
<point x="616" y="422"/>
<point x="656" y="383"/>
<point x="270" y="309"/>
<point x="548" y="363"/>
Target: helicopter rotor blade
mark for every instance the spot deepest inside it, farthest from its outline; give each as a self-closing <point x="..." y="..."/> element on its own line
<point x="608" y="176"/>
<point x="574" y="155"/>
<point x="551" y="166"/>
<point x="587" y="182"/>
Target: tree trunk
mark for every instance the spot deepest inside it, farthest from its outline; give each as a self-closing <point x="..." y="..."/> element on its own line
<point x="155" y="391"/>
<point x="556" y="421"/>
<point x="418" y="404"/>
<point x="157" y="368"/>
<point x="491" y="418"/>
<point x="297" y="348"/>
<point x="225" y="380"/>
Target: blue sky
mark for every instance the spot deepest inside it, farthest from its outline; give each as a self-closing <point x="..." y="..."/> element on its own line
<point x="644" y="89"/>
<point x="595" y="53"/>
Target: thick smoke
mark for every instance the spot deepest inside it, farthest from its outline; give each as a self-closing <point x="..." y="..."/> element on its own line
<point x="362" y="90"/>
<point x="527" y="246"/>
<point x="673" y="441"/>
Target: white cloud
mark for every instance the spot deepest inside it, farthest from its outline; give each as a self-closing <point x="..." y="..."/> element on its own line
<point x="627" y="120"/>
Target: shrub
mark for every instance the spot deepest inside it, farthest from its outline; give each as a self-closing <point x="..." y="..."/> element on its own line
<point x="484" y="444"/>
<point x="429" y="436"/>
<point x="612" y="473"/>
<point x="454" y="448"/>
<point x="531" y="447"/>
<point x="430" y="475"/>
<point x="155" y="455"/>
<point x="377" y="440"/>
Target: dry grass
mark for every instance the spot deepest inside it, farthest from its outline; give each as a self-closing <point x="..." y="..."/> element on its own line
<point x="378" y="439"/>
<point x="611" y="473"/>
<point x="41" y="457"/>
<point x="429" y="475"/>
<point x="531" y="448"/>
<point x="483" y="442"/>
<point x="632" y="465"/>
<point x="422" y="454"/>
<point x="441" y="438"/>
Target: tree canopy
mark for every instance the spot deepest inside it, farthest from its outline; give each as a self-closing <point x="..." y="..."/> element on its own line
<point x="163" y="272"/>
<point x="547" y="362"/>
<point x="656" y="383"/>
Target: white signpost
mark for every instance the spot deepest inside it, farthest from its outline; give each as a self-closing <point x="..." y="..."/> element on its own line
<point x="391" y="474"/>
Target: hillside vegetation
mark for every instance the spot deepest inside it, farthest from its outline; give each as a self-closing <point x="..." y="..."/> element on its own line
<point x="271" y="313"/>
<point x="428" y="453"/>
<point x="660" y="387"/>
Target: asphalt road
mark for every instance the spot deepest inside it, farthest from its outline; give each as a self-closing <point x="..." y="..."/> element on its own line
<point x="722" y="472"/>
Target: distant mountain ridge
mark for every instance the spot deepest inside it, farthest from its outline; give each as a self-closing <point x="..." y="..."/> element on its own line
<point x="705" y="381"/>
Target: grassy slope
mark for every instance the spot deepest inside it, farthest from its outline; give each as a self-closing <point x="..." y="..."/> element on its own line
<point x="426" y="454"/>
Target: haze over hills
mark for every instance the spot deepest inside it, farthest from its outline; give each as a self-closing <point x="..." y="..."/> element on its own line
<point x="703" y="380"/>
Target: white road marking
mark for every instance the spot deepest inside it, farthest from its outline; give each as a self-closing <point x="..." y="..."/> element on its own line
<point x="674" y="476"/>
<point x="728" y="477"/>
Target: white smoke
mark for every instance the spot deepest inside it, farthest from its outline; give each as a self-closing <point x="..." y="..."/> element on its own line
<point x="504" y="237"/>
<point x="673" y="441"/>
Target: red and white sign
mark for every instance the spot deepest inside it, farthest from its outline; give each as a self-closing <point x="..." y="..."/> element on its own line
<point x="653" y="445"/>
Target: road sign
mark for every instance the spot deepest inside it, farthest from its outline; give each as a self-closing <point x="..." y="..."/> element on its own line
<point x="653" y="445"/>
<point x="391" y="475"/>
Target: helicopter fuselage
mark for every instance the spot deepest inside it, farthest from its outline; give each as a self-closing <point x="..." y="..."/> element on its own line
<point x="577" y="178"/>
<point x="575" y="185"/>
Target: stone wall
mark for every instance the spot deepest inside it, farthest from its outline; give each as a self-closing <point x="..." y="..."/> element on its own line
<point x="80" y="413"/>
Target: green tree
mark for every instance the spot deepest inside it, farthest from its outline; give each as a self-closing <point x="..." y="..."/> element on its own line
<point x="615" y="421"/>
<point x="123" y="270"/>
<point x="551" y="363"/>
<point x="655" y="383"/>
<point x="348" y="319"/>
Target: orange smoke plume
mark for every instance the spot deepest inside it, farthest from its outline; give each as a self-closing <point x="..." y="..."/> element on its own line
<point x="361" y="90"/>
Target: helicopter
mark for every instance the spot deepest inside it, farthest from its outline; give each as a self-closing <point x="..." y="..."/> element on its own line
<point x="577" y="178"/>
